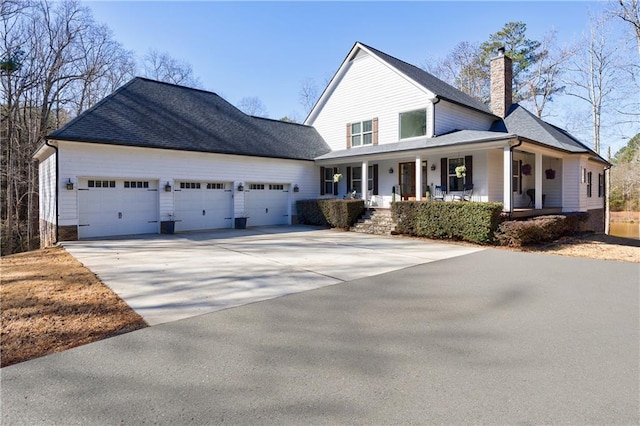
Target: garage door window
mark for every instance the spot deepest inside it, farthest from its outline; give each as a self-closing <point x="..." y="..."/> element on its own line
<point x="102" y="184"/>
<point x="136" y="184"/>
<point x="215" y="186"/>
<point x="189" y="185"/>
<point x="256" y="186"/>
<point x="276" y="187"/>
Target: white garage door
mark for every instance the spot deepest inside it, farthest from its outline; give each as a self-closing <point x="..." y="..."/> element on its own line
<point x="108" y="207"/>
<point x="203" y="205"/>
<point x="267" y="204"/>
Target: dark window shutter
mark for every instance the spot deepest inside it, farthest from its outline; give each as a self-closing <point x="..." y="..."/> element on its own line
<point x="335" y="184"/>
<point x="519" y="176"/>
<point x="375" y="179"/>
<point x="321" y="180"/>
<point x="468" y="163"/>
<point x="375" y="131"/>
<point x="444" y="171"/>
<point x="349" y="186"/>
<point x="348" y="135"/>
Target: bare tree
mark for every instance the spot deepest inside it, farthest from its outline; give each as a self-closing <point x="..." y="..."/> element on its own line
<point x="542" y="81"/>
<point x="55" y="61"/>
<point x="252" y="106"/>
<point x="309" y="94"/>
<point x="163" y="67"/>
<point x="629" y="11"/>
<point x="463" y="69"/>
<point x="593" y="74"/>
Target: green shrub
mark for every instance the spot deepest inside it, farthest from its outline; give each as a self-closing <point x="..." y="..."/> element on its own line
<point x="539" y="229"/>
<point x="468" y="221"/>
<point x="330" y="212"/>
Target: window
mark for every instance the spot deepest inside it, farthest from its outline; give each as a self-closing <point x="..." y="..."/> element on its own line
<point x="215" y="186"/>
<point x="600" y="185"/>
<point x="256" y="186"/>
<point x="356" y="179"/>
<point x="101" y="184"/>
<point x="328" y="180"/>
<point x="184" y="185"/>
<point x="362" y="133"/>
<point x="515" y="173"/>
<point x="589" y="184"/>
<point x="136" y="184"/>
<point x="413" y="124"/>
<point x="276" y="187"/>
<point x="455" y="183"/>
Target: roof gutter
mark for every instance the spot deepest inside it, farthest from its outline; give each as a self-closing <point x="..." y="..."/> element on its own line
<point x="55" y="148"/>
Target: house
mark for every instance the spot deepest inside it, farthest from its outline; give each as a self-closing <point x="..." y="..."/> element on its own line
<point x="404" y="132"/>
<point x="153" y="152"/>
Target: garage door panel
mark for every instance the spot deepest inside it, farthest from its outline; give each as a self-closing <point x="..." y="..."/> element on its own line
<point x="114" y="207"/>
<point x="202" y="205"/>
<point x="267" y="204"/>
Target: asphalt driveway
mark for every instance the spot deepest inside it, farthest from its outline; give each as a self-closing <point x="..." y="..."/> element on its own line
<point x="493" y="337"/>
<point x="169" y="277"/>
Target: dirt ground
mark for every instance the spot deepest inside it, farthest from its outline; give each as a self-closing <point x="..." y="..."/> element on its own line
<point x="49" y="302"/>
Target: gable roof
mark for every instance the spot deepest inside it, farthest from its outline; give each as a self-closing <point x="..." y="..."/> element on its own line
<point x="418" y="76"/>
<point x="526" y="125"/>
<point x="430" y="82"/>
<point x="152" y="114"/>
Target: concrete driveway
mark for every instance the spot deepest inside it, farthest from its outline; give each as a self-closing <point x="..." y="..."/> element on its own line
<point x="170" y="277"/>
<point x="494" y="337"/>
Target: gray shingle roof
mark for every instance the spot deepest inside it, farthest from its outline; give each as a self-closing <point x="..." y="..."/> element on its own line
<point x="152" y="114"/>
<point x="460" y="137"/>
<point x="430" y="82"/>
<point x="526" y="125"/>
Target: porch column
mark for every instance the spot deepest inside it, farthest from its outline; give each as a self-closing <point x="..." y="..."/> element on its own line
<point x="365" y="181"/>
<point x="507" y="194"/>
<point x="418" y="178"/>
<point x="538" y="183"/>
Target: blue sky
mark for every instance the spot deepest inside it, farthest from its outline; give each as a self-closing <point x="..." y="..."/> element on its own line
<point x="266" y="49"/>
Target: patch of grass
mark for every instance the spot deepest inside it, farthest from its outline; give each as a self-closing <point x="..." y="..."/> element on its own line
<point x="49" y="302"/>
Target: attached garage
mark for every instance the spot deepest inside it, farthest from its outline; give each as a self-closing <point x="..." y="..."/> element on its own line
<point x="108" y="207"/>
<point x="267" y="204"/>
<point x="203" y="205"/>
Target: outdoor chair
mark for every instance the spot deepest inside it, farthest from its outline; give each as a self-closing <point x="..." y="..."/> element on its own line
<point x="467" y="192"/>
<point x="439" y="192"/>
<point x="532" y="197"/>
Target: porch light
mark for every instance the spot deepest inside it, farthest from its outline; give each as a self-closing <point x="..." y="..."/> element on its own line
<point x="69" y="184"/>
<point x="390" y="170"/>
<point x="167" y="187"/>
<point x="433" y="166"/>
<point x="240" y="187"/>
<point x="296" y="188"/>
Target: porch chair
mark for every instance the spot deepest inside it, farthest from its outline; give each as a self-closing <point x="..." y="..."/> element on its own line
<point x="465" y="195"/>
<point x="532" y="197"/>
<point x="439" y="192"/>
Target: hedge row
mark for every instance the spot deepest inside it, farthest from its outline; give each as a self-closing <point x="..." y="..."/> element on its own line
<point x="473" y="222"/>
<point x="539" y="229"/>
<point x="330" y="212"/>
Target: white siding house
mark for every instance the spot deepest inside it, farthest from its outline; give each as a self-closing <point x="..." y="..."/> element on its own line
<point x="394" y="132"/>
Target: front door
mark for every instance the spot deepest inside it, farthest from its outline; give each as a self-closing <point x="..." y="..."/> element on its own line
<point x="407" y="182"/>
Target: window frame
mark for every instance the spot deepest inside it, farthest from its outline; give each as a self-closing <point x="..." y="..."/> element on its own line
<point x="360" y="135"/>
<point x="589" y="184"/>
<point x="370" y="179"/>
<point x="515" y="176"/>
<point x="400" y="137"/>
<point x="328" y="180"/>
<point x="452" y="175"/>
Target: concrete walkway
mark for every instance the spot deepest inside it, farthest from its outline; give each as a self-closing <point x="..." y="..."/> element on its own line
<point x="169" y="277"/>
<point x="494" y="337"/>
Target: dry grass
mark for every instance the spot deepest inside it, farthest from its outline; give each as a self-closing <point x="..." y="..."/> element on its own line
<point x="49" y="302"/>
<point x="593" y="246"/>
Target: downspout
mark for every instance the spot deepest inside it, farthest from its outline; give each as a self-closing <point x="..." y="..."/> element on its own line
<point x="434" y="101"/>
<point x="511" y="175"/>
<point x="46" y="142"/>
<point x="607" y="205"/>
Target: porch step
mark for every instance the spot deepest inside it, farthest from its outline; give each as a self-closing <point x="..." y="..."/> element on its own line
<point x="375" y="221"/>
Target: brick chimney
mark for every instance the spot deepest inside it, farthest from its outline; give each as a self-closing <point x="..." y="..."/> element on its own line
<point x="501" y="81"/>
